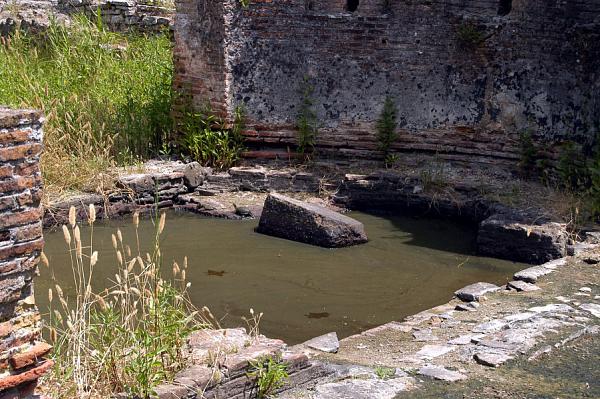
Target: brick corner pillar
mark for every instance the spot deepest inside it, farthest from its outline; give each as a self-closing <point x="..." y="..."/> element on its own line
<point x="22" y="351"/>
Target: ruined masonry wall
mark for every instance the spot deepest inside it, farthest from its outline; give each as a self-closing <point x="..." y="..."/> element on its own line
<point x="21" y="241"/>
<point x="537" y="69"/>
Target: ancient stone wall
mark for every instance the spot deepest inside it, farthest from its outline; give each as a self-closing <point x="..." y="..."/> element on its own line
<point x="21" y="241"/>
<point x="468" y="76"/>
<point x="122" y="15"/>
<point x="116" y="15"/>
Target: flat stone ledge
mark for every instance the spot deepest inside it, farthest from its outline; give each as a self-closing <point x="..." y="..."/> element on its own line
<point x="474" y="292"/>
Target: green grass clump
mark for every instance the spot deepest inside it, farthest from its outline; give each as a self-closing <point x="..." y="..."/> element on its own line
<point x="107" y="96"/>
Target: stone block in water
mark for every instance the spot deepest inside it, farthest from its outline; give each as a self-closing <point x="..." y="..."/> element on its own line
<point x="295" y="220"/>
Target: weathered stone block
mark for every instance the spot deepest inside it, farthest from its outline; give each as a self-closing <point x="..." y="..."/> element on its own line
<point x="295" y="220"/>
<point x="522" y="238"/>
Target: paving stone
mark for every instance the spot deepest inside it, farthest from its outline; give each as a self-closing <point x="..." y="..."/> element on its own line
<point x="433" y="351"/>
<point x="424" y="335"/>
<point x="467" y="307"/>
<point x="474" y="291"/>
<point x="441" y="373"/>
<point x="491" y="359"/>
<point x="363" y="389"/>
<point x="490" y="326"/>
<point x="520" y="316"/>
<point x="466" y="339"/>
<point x="520" y="285"/>
<point x="532" y="274"/>
<point x="593" y="308"/>
<point x="325" y="343"/>
<point x="553" y="307"/>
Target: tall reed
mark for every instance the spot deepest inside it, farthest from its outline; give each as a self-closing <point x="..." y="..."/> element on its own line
<point x="128" y="338"/>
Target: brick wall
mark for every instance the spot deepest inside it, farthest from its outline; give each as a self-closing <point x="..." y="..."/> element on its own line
<point x="21" y="241"/>
<point x="537" y="70"/>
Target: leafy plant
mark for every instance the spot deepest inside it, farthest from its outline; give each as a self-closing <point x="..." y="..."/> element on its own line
<point x="209" y="141"/>
<point x="528" y="154"/>
<point x="469" y="35"/>
<point x="245" y="3"/>
<point x="386" y="130"/>
<point x="270" y="375"/>
<point x="385" y="373"/>
<point x="572" y="168"/>
<point x="307" y="122"/>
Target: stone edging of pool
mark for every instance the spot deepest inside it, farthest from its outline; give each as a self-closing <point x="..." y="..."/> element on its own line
<point x="514" y="234"/>
<point x="529" y="236"/>
<point x="482" y="328"/>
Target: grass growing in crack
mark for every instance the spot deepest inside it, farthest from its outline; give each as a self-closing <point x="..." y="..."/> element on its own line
<point x="270" y="374"/>
<point x="128" y="338"/>
<point x="385" y="373"/>
<point x="106" y="96"/>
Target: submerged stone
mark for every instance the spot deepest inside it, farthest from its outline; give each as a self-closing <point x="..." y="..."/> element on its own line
<point x="295" y="220"/>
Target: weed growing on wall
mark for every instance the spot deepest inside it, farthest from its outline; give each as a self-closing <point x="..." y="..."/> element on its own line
<point x="307" y="121"/>
<point x="128" y="338"/>
<point x="207" y="139"/>
<point x="386" y="130"/>
<point x="106" y="96"/>
<point x="269" y="373"/>
<point x="469" y="35"/>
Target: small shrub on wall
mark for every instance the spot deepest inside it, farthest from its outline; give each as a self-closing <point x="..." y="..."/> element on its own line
<point x="386" y="131"/>
<point x="307" y="122"/>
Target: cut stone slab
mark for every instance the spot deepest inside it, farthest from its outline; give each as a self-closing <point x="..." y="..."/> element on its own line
<point x="295" y="220"/>
<point x="466" y="339"/>
<point x="593" y="308"/>
<point x="491" y="359"/>
<point x="433" y="351"/>
<point x="325" y="343"/>
<point x="424" y="335"/>
<point x="532" y="274"/>
<point x="475" y="291"/>
<point x="467" y="307"/>
<point x="491" y="326"/>
<point x="441" y="373"/>
<point x="553" y="307"/>
<point x="362" y="389"/>
<point x="522" y="237"/>
<point x="522" y="286"/>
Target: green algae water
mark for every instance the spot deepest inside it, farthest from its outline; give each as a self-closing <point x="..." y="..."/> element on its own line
<point x="408" y="265"/>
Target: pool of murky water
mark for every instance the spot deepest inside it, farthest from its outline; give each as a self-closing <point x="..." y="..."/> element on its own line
<point x="407" y="266"/>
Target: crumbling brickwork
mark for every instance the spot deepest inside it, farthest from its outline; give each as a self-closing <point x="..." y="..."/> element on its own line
<point x="468" y="77"/>
<point x="21" y="241"/>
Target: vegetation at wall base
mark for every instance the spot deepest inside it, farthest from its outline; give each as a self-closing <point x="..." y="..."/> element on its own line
<point x="307" y="121"/>
<point x="576" y="172"/>
<point x="386" y="131"/>
<point x="106" y="96"/>
<point x="207" y="138"/>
